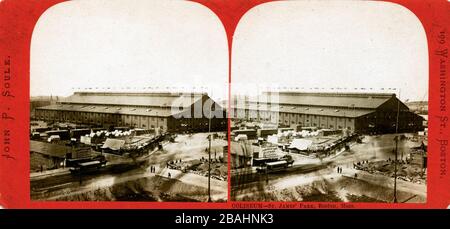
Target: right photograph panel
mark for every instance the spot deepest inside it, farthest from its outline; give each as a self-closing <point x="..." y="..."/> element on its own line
<point x="329" y="103"/>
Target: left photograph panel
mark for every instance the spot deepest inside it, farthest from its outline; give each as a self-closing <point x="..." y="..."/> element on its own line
<point x="127" y="102"/>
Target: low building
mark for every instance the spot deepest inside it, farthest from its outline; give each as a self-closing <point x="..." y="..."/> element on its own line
<point x="45" y="156"/>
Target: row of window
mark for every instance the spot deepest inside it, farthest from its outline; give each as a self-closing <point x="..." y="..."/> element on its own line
<point x="265" y="115"/>
<point x="79" y="117"/>
<point x="303" y="107"/>
<point x="314" y="117"/>
<point x="86" y="115"/>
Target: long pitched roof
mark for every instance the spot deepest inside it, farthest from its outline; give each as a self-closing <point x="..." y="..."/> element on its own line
<point x="53" y="150"/>
<point x="350" y="100"/>
<point x="326" y="111"/>
<point x="312" y="110"/>
<point x="142" y="111"/>
<point x="159" y="99"/>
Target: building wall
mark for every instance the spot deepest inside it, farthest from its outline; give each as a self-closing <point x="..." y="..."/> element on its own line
<point x="192" y="123"/>
<point x="146" y="122"/>
<point x="306" y="120"/>
<point x="385" y="122"/>
<point x="104" y="119"/>
<point x="381" y="120"/>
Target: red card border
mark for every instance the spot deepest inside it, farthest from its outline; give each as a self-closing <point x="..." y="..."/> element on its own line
<point x="17" y="21"/>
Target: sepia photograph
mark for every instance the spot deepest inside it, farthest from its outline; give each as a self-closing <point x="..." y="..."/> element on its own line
<point x="331" y="105"/>
<point x="127" y="105"/>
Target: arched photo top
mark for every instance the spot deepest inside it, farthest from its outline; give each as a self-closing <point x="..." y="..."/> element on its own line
<point x="332" y="44"/>
<point x="128" y="45"/>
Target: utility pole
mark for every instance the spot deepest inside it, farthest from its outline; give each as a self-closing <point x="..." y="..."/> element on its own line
<point x="209" y="156"/>
<point x="395" y="171"/>
<point x="396" y="150"/>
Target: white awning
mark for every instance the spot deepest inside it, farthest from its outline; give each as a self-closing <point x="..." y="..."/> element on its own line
<point x="300" y="144"/>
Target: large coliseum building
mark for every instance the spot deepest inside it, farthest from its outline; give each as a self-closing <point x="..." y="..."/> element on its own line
<point x="170" y="112"/>
<point x="356" y="112"/>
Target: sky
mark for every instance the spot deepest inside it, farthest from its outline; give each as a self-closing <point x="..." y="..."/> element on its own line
<point x="132" y="45"/>
<point x="138" y="45"/>
<point x="324" y="45"/>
